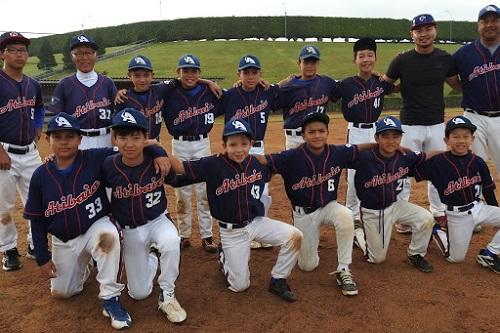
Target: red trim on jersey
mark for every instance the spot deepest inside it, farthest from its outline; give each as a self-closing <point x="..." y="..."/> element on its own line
<point x="139" y="198"/>
<point x="186" y="100"/>
<point x="128" y="180"/>
<point x="485" y="61"/>
<point x="61" y="193"/>
<point x="304" y="151"/>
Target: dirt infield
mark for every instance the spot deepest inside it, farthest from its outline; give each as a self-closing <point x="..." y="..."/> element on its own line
<point x="393" y="297"/>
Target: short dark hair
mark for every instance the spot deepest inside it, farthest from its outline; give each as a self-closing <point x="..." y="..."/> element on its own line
<point x="128" y="130"/>
<point x="364" y="44"/>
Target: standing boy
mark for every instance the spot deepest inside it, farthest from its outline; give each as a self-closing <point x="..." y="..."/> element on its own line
<point x="461" y="177"/>
<point x="252" y="103"/>
<point x="189" y="116"/>
<point x="138" y="204"/>
<point x="68" y="200"/>
<point x="235" y="182"/>
<point x="86" y="95"/>
<point x="308" y="92"/>
<point x="380" y="174"/>
<point x="21" y="123"/>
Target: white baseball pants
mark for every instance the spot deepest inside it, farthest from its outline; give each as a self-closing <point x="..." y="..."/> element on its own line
<point x="265" y="197"/>
<point x="377" y="225"/>
<point x="102" y="243"/>
<point x="293" y="141"/>
<point x="236" y="249"/>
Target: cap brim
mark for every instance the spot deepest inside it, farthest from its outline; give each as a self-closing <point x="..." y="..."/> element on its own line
<point x="248" y="66"/>
<point x="390" y="129"/>
<point x="490" y="12"/>
<point x="92" y="45"/>
<point x="309" y="57"/>
<point x="63" y="129"/>
<point x="14" y="40"/>
<point x="250" y="135"/>
<point x="188" y="66"/>
<point x="140" y="67"/>
<point x="130" y="125"/>
<point x="422" y="25"/>
<point x="471" y="127"/>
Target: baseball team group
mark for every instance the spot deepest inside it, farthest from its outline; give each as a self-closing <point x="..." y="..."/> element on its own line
<point x="98" y="201"/>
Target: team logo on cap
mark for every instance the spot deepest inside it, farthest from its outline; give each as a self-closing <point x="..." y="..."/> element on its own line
<point x="189" y="60"/>
<point x="239" y="125"/>
<point x="458" y="120"/>
<point x="311" y="49"/>
<point x="82" y="39"/>
<point x="422" y="18"/>
<point x="389" y="122"/>
<point x="140" y="61"/>
<point x="490" y="8"/>
<point x="63" y="122"/>
<point x="249" y="60"/>
<point x="128" y="118"/>
<point x="13" y="34"/>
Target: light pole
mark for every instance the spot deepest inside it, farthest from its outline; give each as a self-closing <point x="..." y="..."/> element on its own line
<point x="451" y="23"/>
<point x="284" y="6"/>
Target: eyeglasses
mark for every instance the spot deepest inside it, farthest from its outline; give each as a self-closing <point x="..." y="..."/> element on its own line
<point x="83" y="54"/>
<point x="13" y="50"/>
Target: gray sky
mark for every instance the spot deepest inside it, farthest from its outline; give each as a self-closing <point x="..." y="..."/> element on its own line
<point x="64" y="16"/>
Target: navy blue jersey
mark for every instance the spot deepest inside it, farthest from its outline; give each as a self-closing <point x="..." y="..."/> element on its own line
<point x="362" y="101"/>
<point x="67" y="203"/>
<point x="459" y="180"/>
<point x="151" y="103"/>
<point x="312" y="180"/>
<point x="252" y="106"/>
<point x="300" y="97"/>
<point x="92" y="106"/>
<point x="191" y="112"/>
<point x="379" y="179"/>
<point x="138" y="193"/>
<point x="480" y="75"/>
<point x="233" y="189"/>
<point x="18" y="102"/>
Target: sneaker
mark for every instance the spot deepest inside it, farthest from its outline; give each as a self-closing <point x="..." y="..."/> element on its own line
<point x="403" y="229"/>
<point x="281" y="288"/>
<point x="185" y="243"/>
<point x="112" y="308"/>
<point x="487" y="259"/>
<point x="11" y="260"/>
<point x="30" y="253"/>
<point x="420" y="263"/>
<point x="208" y="245"/>
<point x="346" y="282"/>
<point x="359" y="239"/>
<point x="171" y="307"/>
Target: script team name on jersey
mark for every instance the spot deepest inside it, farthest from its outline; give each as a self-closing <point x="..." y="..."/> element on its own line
<point x="307" y="103"/>
<point x="249" y="110"/>
<point x="231" y="184"/>
<point x="387" y="178"/>
<point x="364" y="96"/>
<point x="193" y="112"/>
<point x="317" y="179"/>
<point x="91" y="105"/>
<point x="461" y="183"/>
<point x="69" y="201"/>
<point x="135" y="190"/>
<point x="18" y="103"/>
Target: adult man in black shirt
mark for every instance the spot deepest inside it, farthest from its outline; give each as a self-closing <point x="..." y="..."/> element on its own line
<point x="422" y="73"/>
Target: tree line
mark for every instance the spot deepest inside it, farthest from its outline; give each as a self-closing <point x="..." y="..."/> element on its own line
<point x="243" y="27"/>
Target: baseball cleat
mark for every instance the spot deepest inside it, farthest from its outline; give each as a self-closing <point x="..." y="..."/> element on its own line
<point x="420" y="263"/>
<point x="171" y="307"/>
<point x="30" y="253"/>
<point x="359" y="239"/>
<point x="346" y="282"/>
<point x="11" y="260"/>
<point x="487" y="259"/>
<point x="112" y="308"/>
<point x="209" y="245"/>
<point x="281" y="288"/>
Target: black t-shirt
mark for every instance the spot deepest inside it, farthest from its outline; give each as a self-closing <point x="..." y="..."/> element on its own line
<point x="422" y="78"/>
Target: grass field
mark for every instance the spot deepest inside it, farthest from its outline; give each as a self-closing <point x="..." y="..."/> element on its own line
<point x="220" y="58"/>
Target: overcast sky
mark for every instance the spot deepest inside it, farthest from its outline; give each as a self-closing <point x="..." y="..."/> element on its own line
<point x="63" y="16"/>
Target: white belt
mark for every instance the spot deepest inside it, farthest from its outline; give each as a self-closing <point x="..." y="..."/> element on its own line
<point x="294" y="132"/>
<point x="96" y="131"/>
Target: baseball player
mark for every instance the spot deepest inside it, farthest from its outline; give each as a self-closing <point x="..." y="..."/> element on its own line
<point x="149" y="98"/>
<point x="68" y="200"/>
<point x="461" y="177"/>
<point x="362" y="102"/>
<point x="422" y="73"/>
<point x="21" y="123"/>
<point x="235" y="182"/>
<point x="479" y="72"/>
<point x="309" y="92"/>
<point x="138" y="204"/>
<point x="311" y="174"/>
<point x="189" y="116"/>
<point x="87" y="95"/>
<point x="251" y="102"/>
<point x="380" y="174"/>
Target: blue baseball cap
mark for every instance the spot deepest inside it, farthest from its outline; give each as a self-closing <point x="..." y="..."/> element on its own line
<point x="421" y="20"/>
<point x="237" y="126"/>
<point x="488" y="9"/>
<point x="63" y="121"/>
<point x="309" y="51"/>
<point x="130" y="117"/>
<point x="140" y="62"/>
<point x="315" y="116"/>
<point x="12" y="37"/>
<point x="189" y="61"/>
<point x="82" y="40"/>
<point x="249" y="61"/>
<point x="388" y="123"/>
<point x="459" y="122"/>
